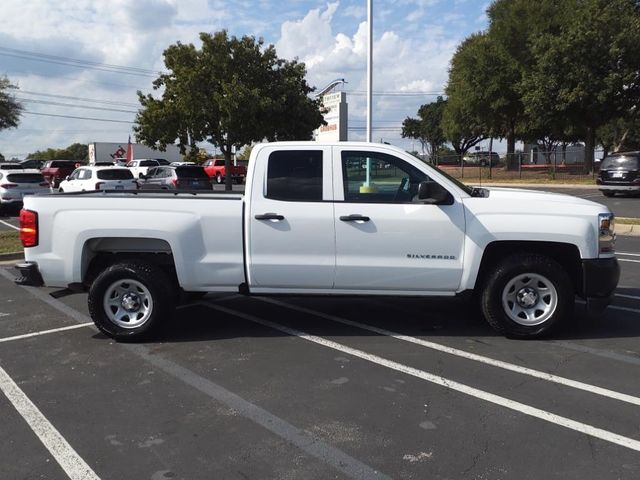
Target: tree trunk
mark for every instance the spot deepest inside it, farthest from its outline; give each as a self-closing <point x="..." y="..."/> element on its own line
<point x="589" y="147"/>
<point x="228" y="181"/>
<point x="512" y="162"/>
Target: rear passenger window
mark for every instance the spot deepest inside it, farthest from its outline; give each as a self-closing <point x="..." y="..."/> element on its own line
<point x="295" y="175"/>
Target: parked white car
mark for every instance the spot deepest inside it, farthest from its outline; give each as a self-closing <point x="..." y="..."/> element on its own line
<point x="99" y="178"/>
<point x="141" y="166"/>
<point x="15" y="184"/>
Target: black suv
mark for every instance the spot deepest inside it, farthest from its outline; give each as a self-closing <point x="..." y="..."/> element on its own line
<point x="620" y="173"/>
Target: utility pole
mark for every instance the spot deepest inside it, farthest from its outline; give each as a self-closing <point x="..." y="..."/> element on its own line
<point x="369" y="68"/>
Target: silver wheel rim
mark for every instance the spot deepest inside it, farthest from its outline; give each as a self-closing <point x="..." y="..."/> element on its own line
<point x="128" y="303"/>
<point x="529" y="299"/>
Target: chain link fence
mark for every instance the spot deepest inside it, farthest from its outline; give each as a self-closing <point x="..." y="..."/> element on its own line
<point x="537" y="166"/>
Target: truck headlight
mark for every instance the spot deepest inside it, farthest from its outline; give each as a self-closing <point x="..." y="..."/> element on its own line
<point x="606" y="234"/>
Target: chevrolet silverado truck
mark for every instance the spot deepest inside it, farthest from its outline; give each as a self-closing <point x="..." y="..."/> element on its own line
<point x="324" y="219"/>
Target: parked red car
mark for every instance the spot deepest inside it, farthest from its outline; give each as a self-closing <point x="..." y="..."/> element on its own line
<point x="215" y="169"/>
<point x="54" y="171"/>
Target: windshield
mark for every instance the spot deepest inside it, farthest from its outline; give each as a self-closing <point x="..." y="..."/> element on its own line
<point x="115" y="174"/>
<point x="191" y="172"/>
<point x="466" y="188"/>
<point x="25" y="178"/>
<point x="63" y="164"/>
<point x="629" y="162"/>
<point x="149" y="163"/>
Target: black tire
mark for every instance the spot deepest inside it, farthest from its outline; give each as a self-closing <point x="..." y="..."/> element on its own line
<point x="218" y="178"/>
<point x="159" y="289"/>
<point x="608" y="193"/>
<point x="60" y="190"/>
<point x="547" y="282"/>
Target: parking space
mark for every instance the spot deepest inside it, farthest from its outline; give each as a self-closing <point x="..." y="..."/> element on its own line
<point x="299" y="387"/>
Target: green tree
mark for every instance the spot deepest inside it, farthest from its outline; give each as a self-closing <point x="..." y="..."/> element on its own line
<point x="587" y="72"/>
<point x="10" y="108"/>
<point x="427" y="128"/>
<point x="75" y="151"/>
<point x="620" y="134"/>
<point x="463" y="119"/>
<point x="245" y="153"/>
<point x="230" y="92"/>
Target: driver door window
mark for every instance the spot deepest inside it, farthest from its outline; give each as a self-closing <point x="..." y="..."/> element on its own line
<point x="370" y="177"/>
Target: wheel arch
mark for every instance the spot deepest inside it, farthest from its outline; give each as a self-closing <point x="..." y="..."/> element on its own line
<point x="566" y="254"/>
<point x="101" y="252"/>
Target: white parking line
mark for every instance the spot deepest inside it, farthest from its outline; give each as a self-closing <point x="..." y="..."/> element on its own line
<point x="628" y="254"/>
<point x="624" y="309"/>
<point x="9" y="225"/>
<point x="627" y="260"/>
<point x="445" y="382"/>
<point x="44" y="332"/>
<point x="634" y="297"/>
<point x="72" y="464"/>
<point x="623" y="397"/>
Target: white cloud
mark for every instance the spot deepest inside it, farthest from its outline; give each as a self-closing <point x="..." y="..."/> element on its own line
<point x="409" y="54"/>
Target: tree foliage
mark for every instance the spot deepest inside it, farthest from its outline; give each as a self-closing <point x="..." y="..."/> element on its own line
<point x="427" y="128"/>
<point x="75" y="151"/>
<point x="230" y="92"/>
<point x="547" y="72"/>
<point x="10" y="108"/>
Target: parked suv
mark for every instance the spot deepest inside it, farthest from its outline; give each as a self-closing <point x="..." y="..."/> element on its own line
<point x="99" y="178"/>
<point x="619" y="173"/>
<point x="15" y="184"/>
<point x="172" y="178"/>
<point x="481" y="158"/>
<point x="55" y="171"/>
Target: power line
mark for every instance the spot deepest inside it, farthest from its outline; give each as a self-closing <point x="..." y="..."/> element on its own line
<point x="77" y="118"/>
<point x="71" y="105"/>
<point x="70" y="79"/>
<point x="68" y="97"/>
<point x="398" y="93"/>
<point x="72" y="62"/>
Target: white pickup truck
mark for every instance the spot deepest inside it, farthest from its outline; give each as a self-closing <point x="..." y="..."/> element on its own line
<point x="324" y="219"/>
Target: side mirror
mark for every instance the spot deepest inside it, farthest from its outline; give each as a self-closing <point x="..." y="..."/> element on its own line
<point x="432" y="192"/>
<point x="67" y="177"/>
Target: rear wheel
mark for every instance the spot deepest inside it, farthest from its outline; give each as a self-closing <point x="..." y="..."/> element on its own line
<point x="129" y="301"/>
<point x="527" y="296"/>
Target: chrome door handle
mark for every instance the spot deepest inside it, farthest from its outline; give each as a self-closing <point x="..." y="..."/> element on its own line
<point x="354" y="218"/>
<point x="269" y="216"/>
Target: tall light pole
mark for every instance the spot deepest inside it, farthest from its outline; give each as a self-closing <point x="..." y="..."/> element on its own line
<point x="369" y="68"/>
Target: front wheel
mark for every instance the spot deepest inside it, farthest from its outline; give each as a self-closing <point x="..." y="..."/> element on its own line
<point x="527" y="295"/>
<point x="130" y="300"/>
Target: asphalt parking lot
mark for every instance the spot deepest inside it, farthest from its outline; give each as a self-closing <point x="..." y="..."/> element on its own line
<point x="298" y="387"/>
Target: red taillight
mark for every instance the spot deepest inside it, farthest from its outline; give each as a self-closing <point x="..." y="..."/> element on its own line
<point x="28" y="228"/>
<point x="98" y="185"/>
<point x="8" y="185"/>
<point x="175" y="182"/>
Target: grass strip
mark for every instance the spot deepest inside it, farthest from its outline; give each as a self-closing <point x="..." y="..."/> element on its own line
<point x="10" y="242"/>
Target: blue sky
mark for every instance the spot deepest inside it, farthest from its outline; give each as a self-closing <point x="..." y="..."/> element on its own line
<point x="413" y="44"/>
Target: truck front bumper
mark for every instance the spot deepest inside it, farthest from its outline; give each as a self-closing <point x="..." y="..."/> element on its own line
<point x="600" y="279"/>
<point x="29" y="275"/>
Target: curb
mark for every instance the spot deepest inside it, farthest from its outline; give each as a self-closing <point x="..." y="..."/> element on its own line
<point x="5" y="257"/>
<point x="627" y="229"/>
<point x="577" y="186"/>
